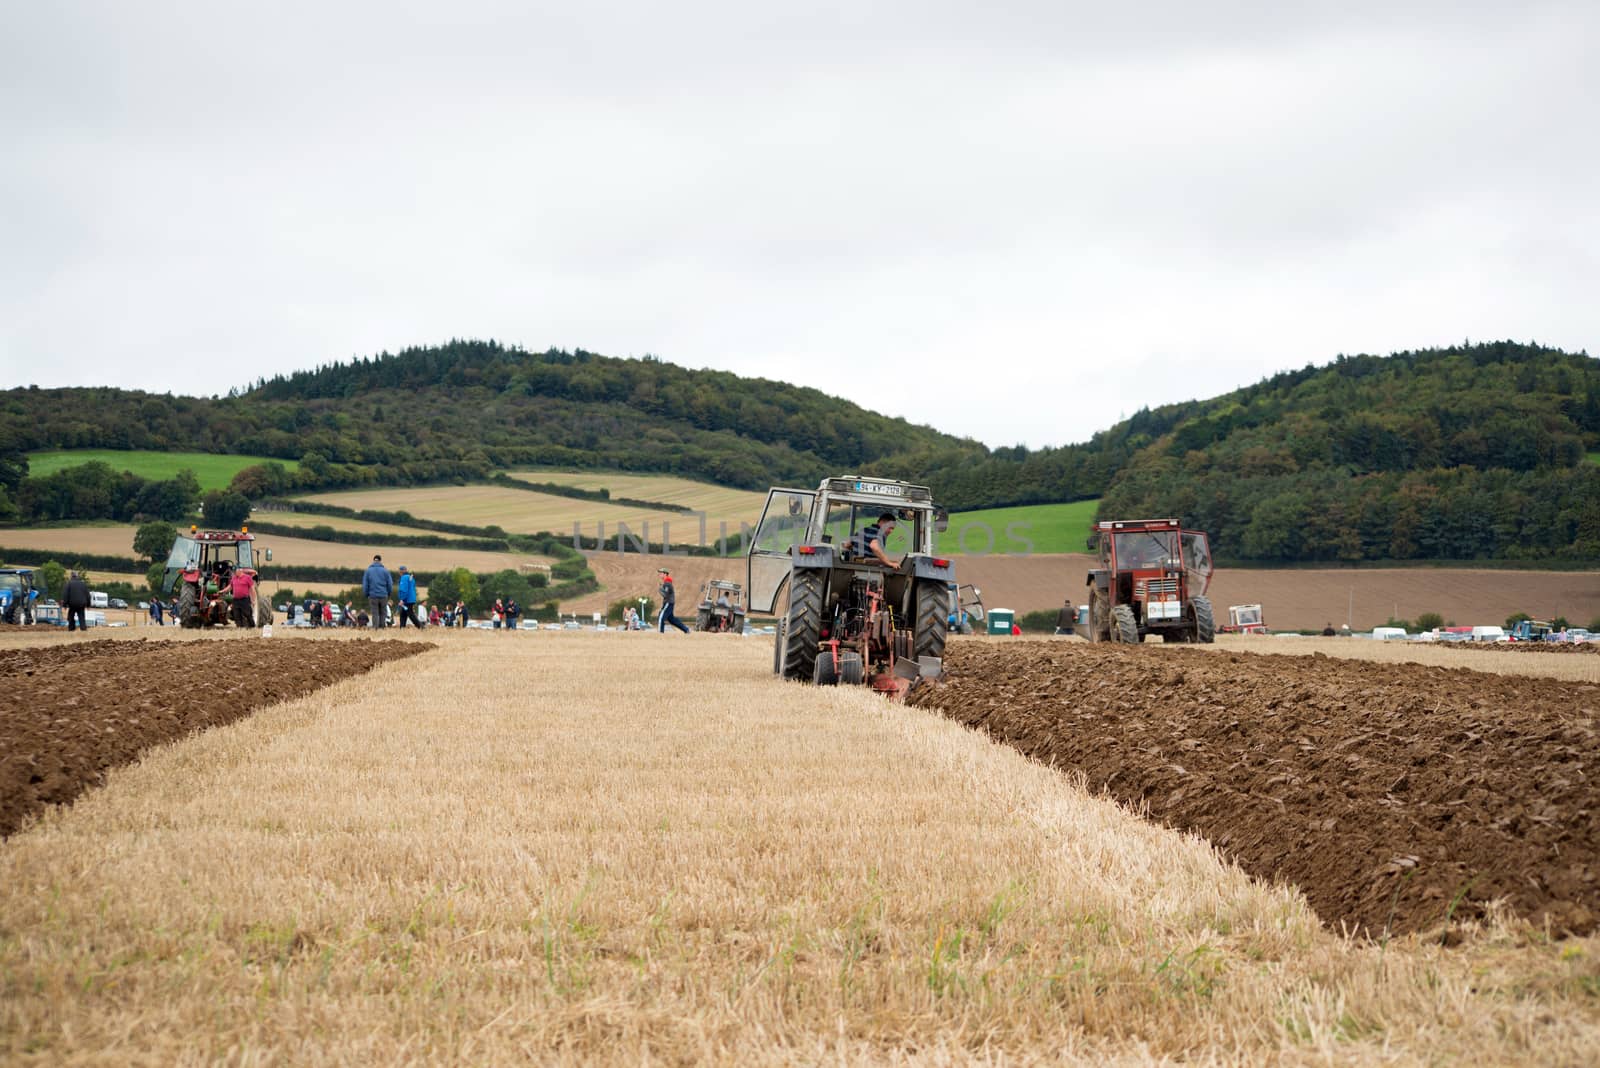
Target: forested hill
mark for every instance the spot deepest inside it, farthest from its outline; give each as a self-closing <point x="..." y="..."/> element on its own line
<point x="1473" y="451"/>
<point x="1481" y="451"/>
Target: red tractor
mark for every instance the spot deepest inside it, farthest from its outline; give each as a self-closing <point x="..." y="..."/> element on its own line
<point x="201" y="568"/>
<point x="1152" y="579"/>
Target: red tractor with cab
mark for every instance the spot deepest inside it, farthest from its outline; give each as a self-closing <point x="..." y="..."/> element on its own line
<point x="1152" y="579"/>
<point x="201" y="567"/>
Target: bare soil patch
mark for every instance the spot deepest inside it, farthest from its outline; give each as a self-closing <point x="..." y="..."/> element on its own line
<point x="87" y="708"/>
<point x="1395" y="796"/>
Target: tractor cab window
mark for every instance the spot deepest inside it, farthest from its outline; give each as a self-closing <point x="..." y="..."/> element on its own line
<point x="11" y="582"/>
<point x="1197" y="554"/>
<point x="1143" y="550"/>
<point x="783" y="524"/>
<point x="185" y="554"/>
<point x="846" y="520"/>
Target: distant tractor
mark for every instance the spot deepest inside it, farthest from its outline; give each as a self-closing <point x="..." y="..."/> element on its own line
<point x="16" y="595"/>
<point x="201" y="567"/>
<point x="966" y="608"/>
<point x="1152" y="579"/>
<point x="1244" y="619"/>
<point x="850" y="617"/>
<point x="1530" y="630"/>
<point x="721" y="608"/>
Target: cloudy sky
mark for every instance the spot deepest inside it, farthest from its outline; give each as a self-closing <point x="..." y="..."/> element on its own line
<point x="1017" y="221"/>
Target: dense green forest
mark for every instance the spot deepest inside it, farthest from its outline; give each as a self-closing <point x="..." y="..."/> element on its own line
<point x="1475" y="451"/>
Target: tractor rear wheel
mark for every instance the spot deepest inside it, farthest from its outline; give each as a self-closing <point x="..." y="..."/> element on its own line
<point x="702" y="619"/>
<point x="188" y="607"/>
<point x="1125" y="627"/>
<point x="826" y="673"/>
<point x="804" y="630"/>
<point x="930" y="618"/>
<point x="851" y="671"/>
<point x="263" y="609"/>
<point x="1099" y="618"/>
<point x="738" y="623"/>
<point x="1205" y="626"/>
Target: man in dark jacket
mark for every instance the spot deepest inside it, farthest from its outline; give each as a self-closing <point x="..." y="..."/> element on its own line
<point x="76" y="599"/>
<point x="1067" y="619"/>
<point x="376" y="587"/>
<point x="669" y="598"/>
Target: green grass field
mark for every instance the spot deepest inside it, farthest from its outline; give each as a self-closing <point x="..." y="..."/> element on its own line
<point x="213" y="471"/>
<point x="1594" y="457"/>
<point x="1037" y="528"/>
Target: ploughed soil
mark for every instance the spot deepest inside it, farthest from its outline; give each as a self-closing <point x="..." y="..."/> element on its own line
<point x="1397" y="797"/>
<point x="76" y="711"/>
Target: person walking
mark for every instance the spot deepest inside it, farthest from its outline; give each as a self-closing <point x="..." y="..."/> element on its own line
<point x="76" y="599"/>
<point x="408" y="599"/>
<point x="1067" y="619"/>
<point x="669" y="599"/>
<point x="376" y="586"/>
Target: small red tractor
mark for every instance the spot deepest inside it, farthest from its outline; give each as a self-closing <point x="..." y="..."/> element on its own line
<point x="201" y="568"/>
<point x="851" y="618"/>
<point x="1244" y="619"/>
<point x="1152" y="579"/>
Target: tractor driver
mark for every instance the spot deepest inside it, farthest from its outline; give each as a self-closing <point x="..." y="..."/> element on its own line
<point x="870" y="540"/>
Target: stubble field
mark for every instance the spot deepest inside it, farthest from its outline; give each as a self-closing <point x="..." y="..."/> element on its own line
<point x="580" y="847"/>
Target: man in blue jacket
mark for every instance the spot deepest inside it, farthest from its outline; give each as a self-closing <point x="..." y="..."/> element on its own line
<point x="376" y="587"/>
<point x="408" y="599"/>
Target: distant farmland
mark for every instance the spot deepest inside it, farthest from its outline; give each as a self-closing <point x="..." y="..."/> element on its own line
<point x="213" y="470"/>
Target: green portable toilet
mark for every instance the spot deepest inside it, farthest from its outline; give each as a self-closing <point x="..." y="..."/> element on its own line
<point x="1000" y="621"/>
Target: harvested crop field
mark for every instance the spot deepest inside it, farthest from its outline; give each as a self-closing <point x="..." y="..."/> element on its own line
<point x="92" y="706"/>
<point x="596" y="848"/>
<point x="1397" y="797"/>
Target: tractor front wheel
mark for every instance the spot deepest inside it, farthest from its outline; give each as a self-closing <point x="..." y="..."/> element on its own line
<point x="1125" y="628"/>
<point x="930" y="618"/>
<point x="851" y="671"/>
<point x="803" y="631"/>
<point x="1205" y="625"/>
<point x="826" y="673"/>
<point x="188" y="607"/>
<point x="263" y="609"/>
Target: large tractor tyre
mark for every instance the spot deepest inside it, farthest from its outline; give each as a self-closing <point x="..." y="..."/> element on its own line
<point x="10" y="615"/>
<point x="826" y="673"/>
<point x="1125" y="628"/>
<point x="1099" y="618"/>
<point x="738" y="623"/>
<point x="930" y="618"/>
<point x="263" y="610"/>
<point x="702" y="619"/>
<point x="777" y="649"/>
<point x="803" y="631"/>
<point x="851" y="671"/>
<point x="1205" y="625"/>
<point x="188" y="608"/>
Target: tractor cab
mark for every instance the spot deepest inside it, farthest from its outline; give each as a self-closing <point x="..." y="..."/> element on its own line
<point x="209" y="554"/>
<point x="1152" y="578"/>
<point x="1245" y="619"/>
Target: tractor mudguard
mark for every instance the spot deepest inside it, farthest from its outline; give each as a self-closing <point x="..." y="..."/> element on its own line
<point x="820" y="557"/>
<point x="1099" y="579"/>
<point x="923" y="567"/>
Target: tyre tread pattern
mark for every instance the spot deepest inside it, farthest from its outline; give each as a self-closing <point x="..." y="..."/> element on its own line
<point x="803" y="630"/>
